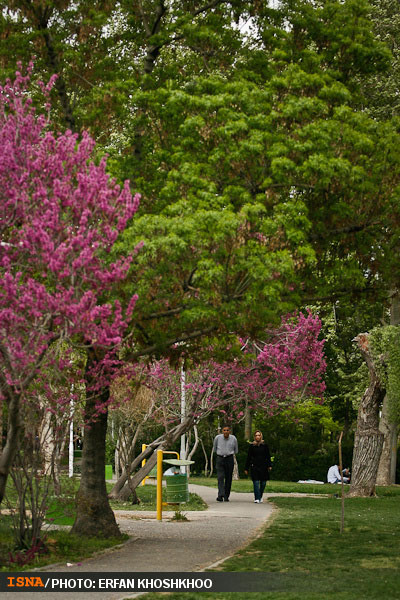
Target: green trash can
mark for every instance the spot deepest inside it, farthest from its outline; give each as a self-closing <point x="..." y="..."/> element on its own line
<point x="109" y="472"/>
<point x="177" y="485"/>
<point x="177" y="488"/>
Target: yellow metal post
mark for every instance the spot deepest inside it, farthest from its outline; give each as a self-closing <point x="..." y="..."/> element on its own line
<point x="159" y="484"/>
<point x="144" y="446"/>
<point x="171" y="452"/>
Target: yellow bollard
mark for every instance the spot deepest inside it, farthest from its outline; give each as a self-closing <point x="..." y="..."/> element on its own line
<point x="144" y="446"/>
<point x="159" y="484"/>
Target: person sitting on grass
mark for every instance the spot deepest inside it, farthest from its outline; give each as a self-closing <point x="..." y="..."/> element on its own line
<point x="334" y="475"/>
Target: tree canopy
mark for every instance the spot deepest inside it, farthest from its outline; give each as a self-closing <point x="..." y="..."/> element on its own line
<point x="266" y="183"/>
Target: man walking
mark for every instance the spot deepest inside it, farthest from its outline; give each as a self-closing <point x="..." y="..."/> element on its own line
<point x="225" y="446"/>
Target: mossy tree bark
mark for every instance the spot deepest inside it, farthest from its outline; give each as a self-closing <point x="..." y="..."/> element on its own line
<point x="390" y="429"/>
<point x="387" y="463"/>
<point x="368" y="439"/>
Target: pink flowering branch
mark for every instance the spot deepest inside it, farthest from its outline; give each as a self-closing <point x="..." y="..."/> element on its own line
<point x="287" y="368"/>
<point x="60" y="216"/>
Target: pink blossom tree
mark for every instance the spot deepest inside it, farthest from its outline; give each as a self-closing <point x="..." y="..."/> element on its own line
<point x="60" y="215"/>
<point x="291" y="361"/>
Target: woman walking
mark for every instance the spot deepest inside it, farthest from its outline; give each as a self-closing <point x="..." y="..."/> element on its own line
<point x="259" y="463"/>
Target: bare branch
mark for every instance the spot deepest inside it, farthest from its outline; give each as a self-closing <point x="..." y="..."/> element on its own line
<point x="183" y="338"/>
<point x="341" y="230"/>
<point x="144" y="19"/>
<point x="166" y="313"/>
<point x="208" y="6"/>
<point x="29" y="378"/>
<point x="154" y="50"/>
<point x="160" y="12"/>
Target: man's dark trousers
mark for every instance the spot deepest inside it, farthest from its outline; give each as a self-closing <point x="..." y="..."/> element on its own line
<point x="224" y="475"/>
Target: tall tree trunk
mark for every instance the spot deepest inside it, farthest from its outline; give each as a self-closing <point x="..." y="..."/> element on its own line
<point x="47" y="440"/>
<point x="205" y="459"/>
<point x="235" y="475"/>
<point x="194" y="448"/>
<point x="248" y="423"/>
<point x="52" y="438"/>
<point x="94" y="516"/>
<point x="11" y="446"/>
<point x="211" y="462"/>
<point x="117" y="460"/>
<point x="368" y="439"/>
<point x="57" y="465"/>
<point x="387" y="465"/>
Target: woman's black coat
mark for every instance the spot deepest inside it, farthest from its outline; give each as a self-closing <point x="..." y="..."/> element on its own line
<point x="258" y="461"/>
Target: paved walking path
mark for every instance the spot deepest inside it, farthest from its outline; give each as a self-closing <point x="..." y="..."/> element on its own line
<point x="175" y="546"/>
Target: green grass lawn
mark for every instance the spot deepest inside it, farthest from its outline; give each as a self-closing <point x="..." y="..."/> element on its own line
<point x="246" y="485"/>
<point x="303" y="542"/>
<point x="62" y="547"/>
<point x="288" y="487"/>
<point x="62" y="511"/>
<point x="148" y="496"/>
